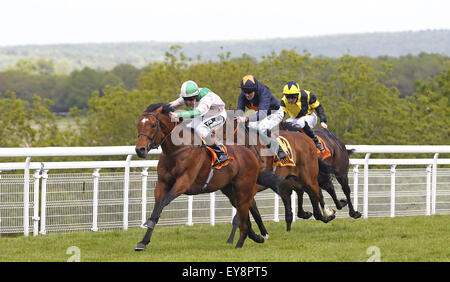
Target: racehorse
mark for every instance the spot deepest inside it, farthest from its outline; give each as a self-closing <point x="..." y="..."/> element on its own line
<point x="301" y="177"/>
<point x="339" y="162"/>
<point x="183" y="169"/>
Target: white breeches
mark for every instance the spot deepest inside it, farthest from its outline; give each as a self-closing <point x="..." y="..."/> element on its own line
<point x="310" y="119"/>
<point x="205" y="126"/>
<point x="268" y="122"/>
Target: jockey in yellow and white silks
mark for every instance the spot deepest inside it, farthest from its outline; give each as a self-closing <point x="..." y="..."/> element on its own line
<point x="301" y="107"/>
<point x="207" y="114"/>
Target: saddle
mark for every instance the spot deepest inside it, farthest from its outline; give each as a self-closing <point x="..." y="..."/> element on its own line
<point x="213" y="156"/>
<point x="286" y="147"/>
<point x="214" y="165"/>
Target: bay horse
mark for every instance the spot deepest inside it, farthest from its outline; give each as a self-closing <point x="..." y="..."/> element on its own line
<point x="183" y="169"/>
<point x="339" y="163"/>
<point x="301" y="177"/>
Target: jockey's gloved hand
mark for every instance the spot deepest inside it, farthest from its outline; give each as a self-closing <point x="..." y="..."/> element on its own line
<point x="241" y="119"/>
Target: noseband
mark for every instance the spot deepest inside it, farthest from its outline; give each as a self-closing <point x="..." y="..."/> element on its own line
<point x="152" y="144"/>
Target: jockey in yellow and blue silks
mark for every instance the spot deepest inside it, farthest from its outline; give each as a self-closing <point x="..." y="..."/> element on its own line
<point x="257" y="96"/>
<point x="301" y="107"/>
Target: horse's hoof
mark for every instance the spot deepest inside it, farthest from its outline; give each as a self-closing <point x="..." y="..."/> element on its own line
<point x="266" y="237"/>
<point x="229" y="241"/>
<point x="140" y="247"/>
<point x="259" y="239"/>
<point x="356" y="215"/>
<point x="304" y="215"/>
<point x="238" y="246"/>
<point x="329" y="218"/>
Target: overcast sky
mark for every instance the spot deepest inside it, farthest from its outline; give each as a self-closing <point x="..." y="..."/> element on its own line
<point x="83" y="21"/>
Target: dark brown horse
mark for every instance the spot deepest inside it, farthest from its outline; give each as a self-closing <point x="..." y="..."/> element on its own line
<point x="301" y="177"/>
<point x="183" y="169"/>
<point x="339" y="163"/>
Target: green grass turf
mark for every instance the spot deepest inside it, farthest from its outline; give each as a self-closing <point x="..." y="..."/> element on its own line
<point x="418" y="238"/>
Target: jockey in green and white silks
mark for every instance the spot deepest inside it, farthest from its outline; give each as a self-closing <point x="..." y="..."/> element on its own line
<point x="207" y="114"/>
<point x="257" y="96"/>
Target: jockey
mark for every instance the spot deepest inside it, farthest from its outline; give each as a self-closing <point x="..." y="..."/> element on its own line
<point x="207" y="113"/>
<point x="257" y="96"/>
<point x="301" y="112"/>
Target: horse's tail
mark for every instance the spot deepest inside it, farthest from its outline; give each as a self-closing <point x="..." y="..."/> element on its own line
<point x="351" y="151"/>
<point x="325" y="172"/>
<point x="269" y="179"/>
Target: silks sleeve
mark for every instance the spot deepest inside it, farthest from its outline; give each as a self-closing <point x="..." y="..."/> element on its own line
<point x="189" y="114"/>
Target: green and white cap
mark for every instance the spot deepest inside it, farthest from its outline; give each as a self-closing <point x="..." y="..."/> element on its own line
<point x="189" y="89"/>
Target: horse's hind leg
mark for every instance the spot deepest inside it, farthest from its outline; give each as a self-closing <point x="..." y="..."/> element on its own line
<point x="285" y="195"/>
<point x="244" y="193"/>
<point x="320" y="211"/>
<point x="343" y="180"/>
<point x="252" y="235"/>
<point x="329" y="187"/>
<point x="235" y="225"/>
<point x="301" y="212"/>
<point x="257" y="217"/>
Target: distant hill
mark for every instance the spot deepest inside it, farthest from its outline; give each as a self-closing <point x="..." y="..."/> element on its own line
<point x="68" y="57"/>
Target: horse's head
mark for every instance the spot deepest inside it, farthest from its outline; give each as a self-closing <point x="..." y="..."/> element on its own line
<point x="153" y="127"/>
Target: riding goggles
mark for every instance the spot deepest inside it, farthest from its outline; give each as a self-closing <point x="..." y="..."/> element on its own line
<point x="248" y="90"/>
<point x="190" y="98"/>
<point x="291" y="96"/>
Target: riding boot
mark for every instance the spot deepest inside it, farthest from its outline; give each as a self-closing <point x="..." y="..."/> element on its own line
<point x="280" y="154"/>
<point x="221" y="155"/>
<point x="311" y="134"/>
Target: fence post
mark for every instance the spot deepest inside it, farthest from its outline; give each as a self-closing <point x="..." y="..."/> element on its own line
<point x="96" y="176"/>
<point x="428" y="195"/>
<point x="276" y="208"/>
<point x="26" y="197"/>
<point x="393" y="190"/>
<point x="44" y="201"/>
<point x="293" y="205"/>
<point x="233" y="213"/>
<point x="37" y="178"/>
<point x="434" y="184"/>
<point x="126" y="188"/>
<point x="212" y="208"/>
<point x="144" y="174"/>
<point x="366" y="186"/>
<point x="355" y="186"/>
<point x="190" y="221"/>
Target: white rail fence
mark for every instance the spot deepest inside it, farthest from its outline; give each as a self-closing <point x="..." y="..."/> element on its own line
<point x="46" y="199"/>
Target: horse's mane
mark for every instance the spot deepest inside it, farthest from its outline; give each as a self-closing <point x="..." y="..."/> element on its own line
<point x="165" y="108"/>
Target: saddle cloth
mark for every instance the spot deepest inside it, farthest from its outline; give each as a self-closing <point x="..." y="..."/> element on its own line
<point x="326" y="152"/>
<point x="286" y="147"/>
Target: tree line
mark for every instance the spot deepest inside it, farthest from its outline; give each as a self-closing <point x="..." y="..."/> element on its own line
<point x="384" y="100"/>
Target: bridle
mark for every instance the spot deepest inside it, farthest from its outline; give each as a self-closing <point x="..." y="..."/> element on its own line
<point x="152" y="144"/>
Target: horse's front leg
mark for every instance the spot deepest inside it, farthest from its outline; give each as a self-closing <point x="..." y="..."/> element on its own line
<point x="162" y="199"/>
